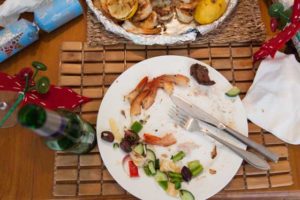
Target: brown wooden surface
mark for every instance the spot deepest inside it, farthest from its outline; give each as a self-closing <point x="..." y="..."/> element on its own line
<point x="26" y="165"/>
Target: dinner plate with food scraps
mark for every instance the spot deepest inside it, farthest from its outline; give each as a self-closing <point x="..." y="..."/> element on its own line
<point x="149" y="22"/>
<point x="146" y="152"/>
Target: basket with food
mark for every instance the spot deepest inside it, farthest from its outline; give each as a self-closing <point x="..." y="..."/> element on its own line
<point x="163" y="22"/>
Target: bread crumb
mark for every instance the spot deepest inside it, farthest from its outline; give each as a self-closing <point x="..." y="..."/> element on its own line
<point x="212" y="171"/>
<point x="164" y="155"/>
<point x="214" y="152"/>
<point x="123" y="113"/>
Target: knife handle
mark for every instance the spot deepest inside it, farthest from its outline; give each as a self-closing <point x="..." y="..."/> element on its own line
<point x="249" y="157"/>
<point x="258" y="147"/>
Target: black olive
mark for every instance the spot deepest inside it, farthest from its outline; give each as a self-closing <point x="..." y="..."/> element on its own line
<point x="125" y="146"/>
<point x="186" y="174"/>
<point x="107" y="136"/>
<point x="132" y="137"/>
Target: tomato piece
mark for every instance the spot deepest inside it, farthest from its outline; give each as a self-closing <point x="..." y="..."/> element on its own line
<point x="133" y="169"/>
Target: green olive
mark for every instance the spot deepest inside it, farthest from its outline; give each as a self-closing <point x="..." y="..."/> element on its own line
<point x="43" y="85"/>
<point x="39" y="66"/>
<point x="275" y="10"/>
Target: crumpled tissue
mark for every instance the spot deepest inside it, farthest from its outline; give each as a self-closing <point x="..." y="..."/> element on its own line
<point x="273" y="100"/>
<point x="10" y="10"/>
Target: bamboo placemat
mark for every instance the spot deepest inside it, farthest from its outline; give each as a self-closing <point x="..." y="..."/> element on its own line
<point x="90" y="71"/>
<point x="243" y="25"/>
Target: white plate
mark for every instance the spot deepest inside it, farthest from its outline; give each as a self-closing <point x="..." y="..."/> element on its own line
<point x="212" y="99"/>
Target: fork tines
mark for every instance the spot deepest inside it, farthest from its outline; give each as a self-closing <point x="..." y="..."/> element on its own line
<point x="178" y="115"/>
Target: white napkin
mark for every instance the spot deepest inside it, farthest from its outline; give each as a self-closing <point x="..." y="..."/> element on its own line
<point x="10" y="10"/>
<point x="273" y="100"/>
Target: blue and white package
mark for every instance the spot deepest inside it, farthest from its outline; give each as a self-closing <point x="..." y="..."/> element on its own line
<point x="16" y="36"/>
<point x="56" y="13"/>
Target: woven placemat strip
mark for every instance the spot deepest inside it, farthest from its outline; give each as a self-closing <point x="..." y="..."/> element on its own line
<point x="244" y="25"/>
<point x="91" y="71"/>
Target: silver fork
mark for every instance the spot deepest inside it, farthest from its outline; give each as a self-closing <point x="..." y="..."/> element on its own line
<point x="190" y="124"/>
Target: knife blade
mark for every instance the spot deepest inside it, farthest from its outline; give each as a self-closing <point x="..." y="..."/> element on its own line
<point x="200" y="114"/>
<point x="194" y="110"/>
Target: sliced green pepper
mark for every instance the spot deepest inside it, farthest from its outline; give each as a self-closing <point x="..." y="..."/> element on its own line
<point x="195" y="167"/>
<point x="174" y="175"/>
<point x="179" y="156"/>
<point x="193" y="164"/>
<point x="197" y="171"/>
<point x="136" y="127"/>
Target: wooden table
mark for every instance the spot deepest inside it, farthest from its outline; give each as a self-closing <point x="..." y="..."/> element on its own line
<point x="26" y="169"/>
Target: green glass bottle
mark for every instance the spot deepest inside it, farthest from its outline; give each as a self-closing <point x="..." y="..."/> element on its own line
<point x="62" y="130"/>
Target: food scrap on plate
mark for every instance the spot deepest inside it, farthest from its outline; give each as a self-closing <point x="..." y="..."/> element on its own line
<point x="212" y="171"/>
<point x="144" y="94"/>
<point x="214" y="152"/>
<point x="166" y="140"/>
<point x="169" y="173"/>
<point x="154" y="151"/>
<point x="201" y="74"/>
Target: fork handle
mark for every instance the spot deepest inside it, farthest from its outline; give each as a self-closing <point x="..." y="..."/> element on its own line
<point x="249" y="157"/>
<point x="258" y="147"/>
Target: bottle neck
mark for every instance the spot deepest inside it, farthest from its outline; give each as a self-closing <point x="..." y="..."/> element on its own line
<point x="54" y="125"/>
<point x="44" y="122"/>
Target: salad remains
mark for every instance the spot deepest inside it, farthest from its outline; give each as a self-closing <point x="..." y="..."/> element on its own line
<point x="167" y="172"/>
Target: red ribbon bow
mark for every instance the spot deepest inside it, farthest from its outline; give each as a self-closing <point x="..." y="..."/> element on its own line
<point x="56" y="98"/>
<point x="277" y="42"/>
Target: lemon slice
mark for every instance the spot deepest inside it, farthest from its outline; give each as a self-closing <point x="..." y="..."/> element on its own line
<point x="208" y="11"/>
<point x="122" y="9"/>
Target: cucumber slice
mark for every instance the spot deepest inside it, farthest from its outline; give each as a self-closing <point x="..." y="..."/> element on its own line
<point x="136" y="127"/>
<point x="160" y="176"/>
<point x="151" y="167"/>
<point x="150" y="155"/>
<point x="233" y="92"/>
<point x="186" y="195"/>
<point x="177" y="185"/>
<point x="163" y="184"/>
<point x="147" y="170"/>
<point x="157" y="165"/>
<point x="145" y="149"/>
<point x="179" y="156"/>
<point x="139" y="149"/>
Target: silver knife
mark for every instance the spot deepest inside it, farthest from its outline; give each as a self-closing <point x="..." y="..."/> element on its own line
<point x="203" y="116"/>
